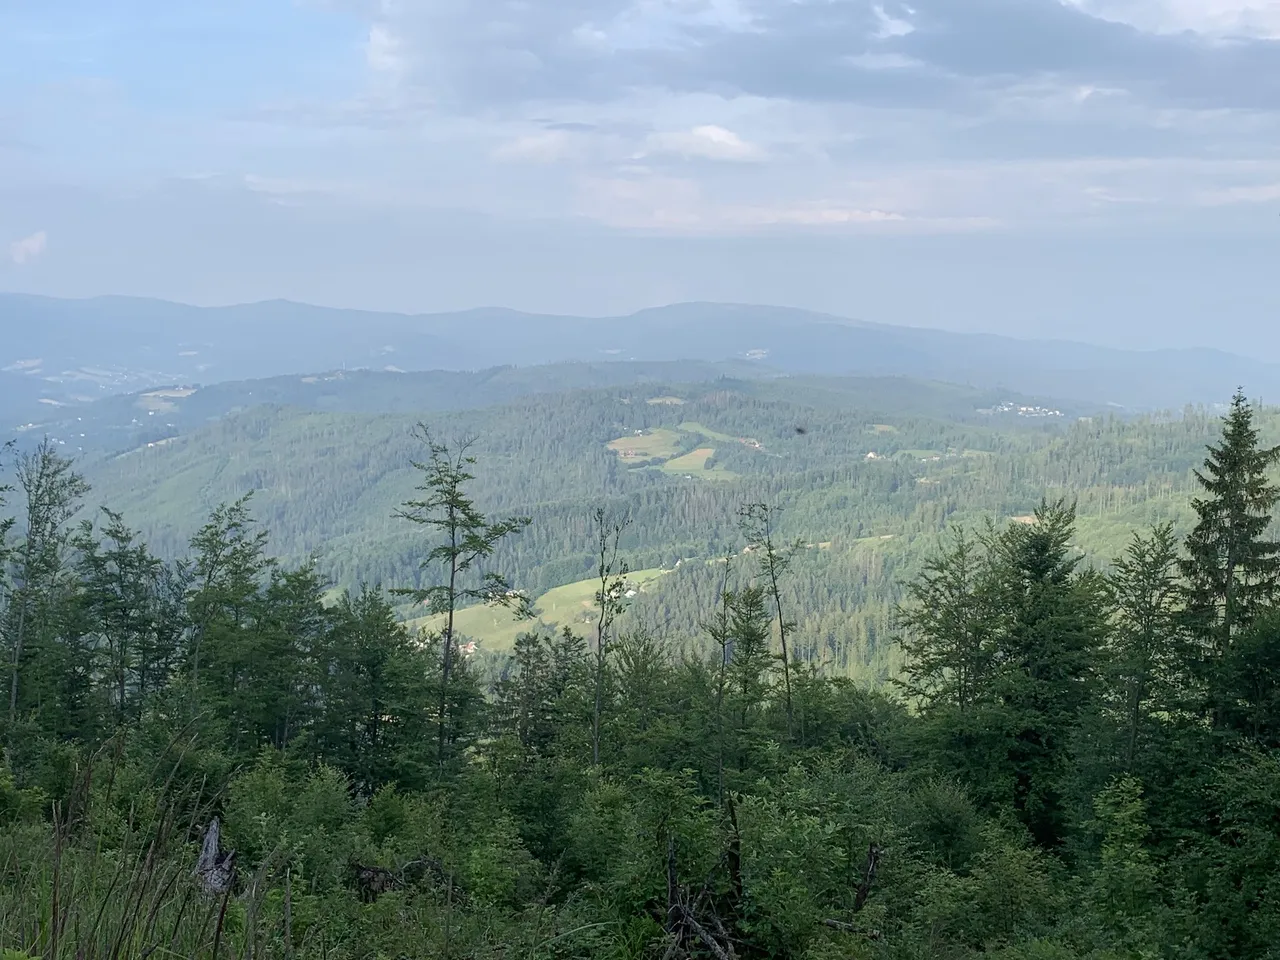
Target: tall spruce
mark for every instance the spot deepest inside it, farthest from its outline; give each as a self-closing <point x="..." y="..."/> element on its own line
<point x="757" y="521"/>
<point x="611" y="575"/>
<point x="1052" y="628"/>
<point x="225" y="585"/>
<point x="134" y="616"/>
<point x="1145" y="650"/>
<point x="948" y="627"/>
<point x="52" y="492"/>
<point x="1232" y="569"/>
<point x="465" y="537"/>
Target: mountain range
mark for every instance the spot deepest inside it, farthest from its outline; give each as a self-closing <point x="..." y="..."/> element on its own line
<point x="75" y="351"/>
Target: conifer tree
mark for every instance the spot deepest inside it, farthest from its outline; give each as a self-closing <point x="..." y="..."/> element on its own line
<point x="1145" y="655"/>
<point x="949" y="627"/>
<point x="466" y="537"/>
<point x="611" y="574"/>
<point x="52" y="491"/>
<point x="226" y="580"/>
<point x="758" y="521"/>
<point x="1053" y="621"/>
<point x="1232" y="568"/>
<point x="131" y="612"/>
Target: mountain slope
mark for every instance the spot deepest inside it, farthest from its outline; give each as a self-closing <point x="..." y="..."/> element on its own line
<point x="123" y="344"/>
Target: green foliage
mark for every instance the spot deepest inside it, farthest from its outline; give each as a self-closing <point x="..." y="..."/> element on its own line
<point x="1077" y="768"/>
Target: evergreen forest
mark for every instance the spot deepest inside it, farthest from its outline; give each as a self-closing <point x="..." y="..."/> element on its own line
<point x="1006" y="691"/>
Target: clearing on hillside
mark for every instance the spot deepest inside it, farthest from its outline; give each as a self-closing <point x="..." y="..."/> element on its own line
<point x="695" y="465"/>
<point x="496" y="629"/>
<point x="647" y="445"/>
<point x="697" y="460"/>
<point x="665" y="402"/>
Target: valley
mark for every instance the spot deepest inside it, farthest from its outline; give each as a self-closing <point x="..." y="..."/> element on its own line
<point x="874" y="469"/>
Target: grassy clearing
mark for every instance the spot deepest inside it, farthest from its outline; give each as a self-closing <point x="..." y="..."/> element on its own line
<point x="651" y="444"/>
<point x="882" y="428"/>
<point x="697" y="460"/>
<point x="695" y="465"/>
<point x="665" y="402"/>
<point x="692" y="426"/>
<point x="496" y="630"/>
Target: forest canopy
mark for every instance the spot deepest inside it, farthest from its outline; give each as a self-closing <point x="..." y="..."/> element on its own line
<point x="211" y="752"/>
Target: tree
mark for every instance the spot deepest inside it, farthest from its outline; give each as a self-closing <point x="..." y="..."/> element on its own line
<point x="1232" y="569"/>
<point x="751" y="665"/>
<point x="226" y="607"/>
<point x="1053" y="621"/>
<point x="52" y="491"/>
<point x="610" y="600"/>
<point x="374" y="683"/>
<point x="949" y="627"/>
<point x="132" y="611"/>
<point x="718" y="629"/>
<point x="1143" y="669"/>
<point x="757" y="521"/>
<point x="467" y="538"/>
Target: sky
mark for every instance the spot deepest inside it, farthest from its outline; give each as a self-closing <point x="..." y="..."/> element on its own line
<point x="1102" y="170"/>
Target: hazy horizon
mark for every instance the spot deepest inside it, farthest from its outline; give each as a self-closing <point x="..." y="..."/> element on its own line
<point x="1095" y="170"/>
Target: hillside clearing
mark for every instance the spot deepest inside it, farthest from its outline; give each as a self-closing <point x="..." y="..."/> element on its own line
<point x="659" y="443"/>
<point x="495" y="629"/>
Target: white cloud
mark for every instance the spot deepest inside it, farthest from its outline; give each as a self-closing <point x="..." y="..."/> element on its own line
<point x="1256" y="18"/>
<point x="891" y="26"/>
<point x="547" y="147"/>
<point x="28" y="248"/>
<point x="1258" y="193"/>
<point x="709" y="142"/>
<point x="680" y="206"/>
<point x="384" y="51"/>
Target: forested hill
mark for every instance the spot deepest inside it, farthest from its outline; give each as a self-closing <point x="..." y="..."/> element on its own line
<point x="80" y="349"/>
<point x="221" y="758"/>
<point x="868" y="472"/>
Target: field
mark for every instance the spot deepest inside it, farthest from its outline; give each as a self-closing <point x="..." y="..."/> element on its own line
<point x="691" y="426"/>
<point x="659" y="443"/>
<point x="695" y="465"/>
<point x="697" y="460"/>
<point x="495" y="629"/>
<point x="662" y="443"/>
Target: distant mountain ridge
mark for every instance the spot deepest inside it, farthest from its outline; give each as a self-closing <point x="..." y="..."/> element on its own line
<point x="78" y="349"/>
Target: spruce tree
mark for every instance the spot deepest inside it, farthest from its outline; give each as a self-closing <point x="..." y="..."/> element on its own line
<point x="52" y="491"/>
<point x="465" y="537"/>
<point x="949" y="628"/>
<point x="1142" y="669"/>
<point x="1232" y="568"/>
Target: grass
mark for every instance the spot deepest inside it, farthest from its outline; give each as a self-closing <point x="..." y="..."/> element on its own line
<point x="665" y="402"/>
<point x="695" y="465"/>
<point x="652" y="444"/>
<point x="496" y="629"/>
<point x="697" y="460"/>
<point x="692" y="426"/>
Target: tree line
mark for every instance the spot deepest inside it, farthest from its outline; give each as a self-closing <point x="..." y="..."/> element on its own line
<point x="1072" y="762"/>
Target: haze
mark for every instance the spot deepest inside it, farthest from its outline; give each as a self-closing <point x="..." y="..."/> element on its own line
<point x="1101" y="170"/>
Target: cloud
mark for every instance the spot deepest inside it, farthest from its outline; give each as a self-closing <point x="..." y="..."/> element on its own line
<point x="28" y="248"/>
<point x="710" y="142"/>
<point x="472" y="52"/>
<point x="546" y="147"/>
<point x="646" y="201"/>
<point x="384" y="51"/>
<point x="743" y="115"/>
<point x="1251" y="18"/>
